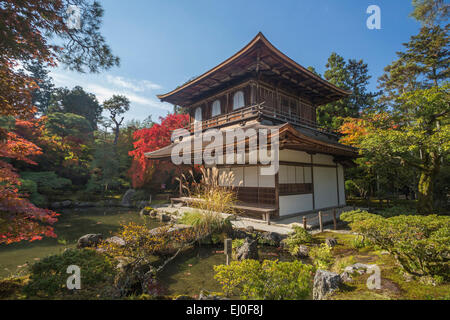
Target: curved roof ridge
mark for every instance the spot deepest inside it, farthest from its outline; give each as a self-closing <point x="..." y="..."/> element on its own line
<point x="258" y="38"/>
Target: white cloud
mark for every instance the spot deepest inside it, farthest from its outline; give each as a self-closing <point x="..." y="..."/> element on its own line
<point x="134" y="85"/>
<point x="137" y="91"/>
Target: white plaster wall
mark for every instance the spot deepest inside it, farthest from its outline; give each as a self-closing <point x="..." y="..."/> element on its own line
<point x="251" y="176"/>
<point x="295" y="204"/>
<point x="325" y="187"/>
<point x="238" y="175"/>
<point x="323" y="159"/>
<point x="299" y="174"/>
<point x="308" y="175"/>
<point x="294" y="156"/>
<point x="266" y="181"/>
<point x="291" y="175"/>
<point x="341" y="185"/>
<point x="283" y="174"/>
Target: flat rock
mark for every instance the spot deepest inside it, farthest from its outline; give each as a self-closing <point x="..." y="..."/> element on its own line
<point x="249" y="250"/>
<point x="325" y="283"/>
<point x="116" y="240"/>
<point x="302" y="251"/>
<point x="89" y="240"/>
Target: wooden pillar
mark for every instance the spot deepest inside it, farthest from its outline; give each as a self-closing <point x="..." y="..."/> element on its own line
<point x="320" y="222"/>
<point x="334" y="219"/>
<point x="277" y="194"/>
<point x="228" y="247"/>
<point x="304" y="223"/>
<point x="312" y="182"/>
<point x="337" y="185"/>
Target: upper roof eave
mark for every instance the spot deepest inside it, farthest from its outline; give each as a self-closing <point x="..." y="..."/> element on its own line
<point x="259" y="39"/>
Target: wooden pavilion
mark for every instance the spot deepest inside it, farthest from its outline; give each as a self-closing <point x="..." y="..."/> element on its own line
<point x="260" y="87"/>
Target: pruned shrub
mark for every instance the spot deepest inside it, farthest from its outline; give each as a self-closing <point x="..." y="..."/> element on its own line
<point x="298" y="237"/>
<point x="421" y="244"/>
<point x="48" y="277"/>
<point x="268" y="280"/>
<point x="398" y="210"/>
<point x="322" y="256"/>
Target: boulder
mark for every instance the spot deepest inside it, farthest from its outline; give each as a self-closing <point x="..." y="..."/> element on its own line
<point x="346" y="277"/>
<point x="55" y="205"/>
<point x="116" y="240"/>
<point x="66" y="204"/>
<point x="147" y="211"/>
<point x="84" y="204"/>
<point x="164" y="217"/>
<point x="360" y="268"/>
<point x="270" y="238"/>
<point x="249" y="250"/>
<point x="238" y="234"/>
<point x="302" y="251"/>
<point x="331" y="242"/>
<point x="173" y="228"/>
<point x="89" y="240"/>
<point x="126" y="199"/>
<point x="205" y="295"/>
<point x="325" y="283"/>
<point x="250" y="229"/>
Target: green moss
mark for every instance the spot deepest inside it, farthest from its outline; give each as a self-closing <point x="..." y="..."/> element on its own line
<point x="394" y="284"/>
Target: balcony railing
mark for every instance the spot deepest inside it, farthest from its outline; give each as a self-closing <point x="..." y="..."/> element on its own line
<point x="258" y="111"/>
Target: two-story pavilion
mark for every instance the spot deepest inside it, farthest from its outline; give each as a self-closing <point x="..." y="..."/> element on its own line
<point x="260" y="87"/>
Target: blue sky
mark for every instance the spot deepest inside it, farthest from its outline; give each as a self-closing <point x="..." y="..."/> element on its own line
<point x="162" y="44"/>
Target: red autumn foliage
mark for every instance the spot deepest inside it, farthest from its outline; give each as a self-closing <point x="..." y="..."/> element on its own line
<point x="151" y="139"/>
<point x="24" y="26"/>
<point x="19" y="218"/>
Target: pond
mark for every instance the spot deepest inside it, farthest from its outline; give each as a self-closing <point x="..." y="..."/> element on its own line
<point x="187" y="274"/>
<point x="71" y="225"/>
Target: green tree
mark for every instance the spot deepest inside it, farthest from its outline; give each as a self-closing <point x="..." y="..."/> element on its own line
<point x="415" y="89"/>
<point x="336" y="73"/>
<point x="68" y="125"/>
<point x="430" y="12"/>
<point x="105" y="168"/>
<point x="41" y="96"/>
<point x="418" y="137"/>
<point x="360" y="99"/>
<point x="352" y="75"/>
<point x="117" y="106"/>
<point x="77" y="101"/>
<point x="313" y="70"/>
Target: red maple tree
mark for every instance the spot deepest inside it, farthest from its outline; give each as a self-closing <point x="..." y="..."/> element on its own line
<point x="151" y="139"/>
<point x="19" y="218"/>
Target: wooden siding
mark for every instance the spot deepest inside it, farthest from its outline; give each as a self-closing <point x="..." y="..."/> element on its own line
<point x="295" y="188"/>
<point x="258" y="195"/>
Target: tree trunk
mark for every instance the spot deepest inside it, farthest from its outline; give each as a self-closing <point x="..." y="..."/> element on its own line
<point x="116" y="135"/>
<point x="425" y="199"/>
<point x="427" y="176"/>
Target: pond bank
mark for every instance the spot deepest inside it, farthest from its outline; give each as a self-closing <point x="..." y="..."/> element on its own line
<point x="280" y="226"/>
<point x="71" y="225"/>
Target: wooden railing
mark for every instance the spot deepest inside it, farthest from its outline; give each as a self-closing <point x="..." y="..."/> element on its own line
<point x="255" y="111"/>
